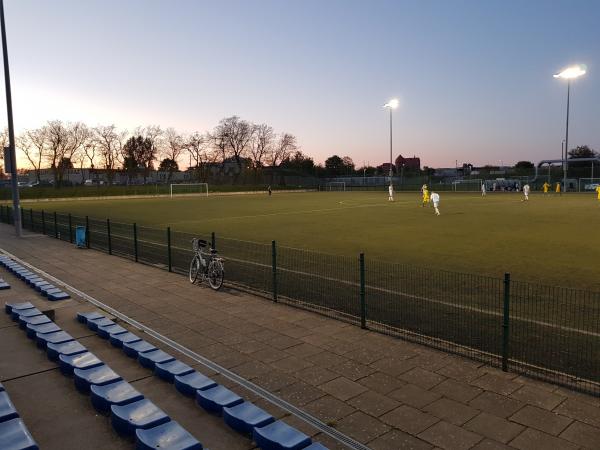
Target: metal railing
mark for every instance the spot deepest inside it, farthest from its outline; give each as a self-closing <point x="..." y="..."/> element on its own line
<point x="545" y="332"/>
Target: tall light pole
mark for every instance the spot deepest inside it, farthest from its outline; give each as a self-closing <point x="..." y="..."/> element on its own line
<point x="570" y="73"/>
<point x="11" y="131"/>
<point x="391" y="105"/>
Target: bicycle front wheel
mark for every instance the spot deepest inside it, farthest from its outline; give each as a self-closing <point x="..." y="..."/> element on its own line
<point x="216" y="274"/>
<point x="194" y="269"/>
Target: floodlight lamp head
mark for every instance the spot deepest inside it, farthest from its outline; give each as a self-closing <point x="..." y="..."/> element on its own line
<point x="392" y="104"/>
<point x="572" y="72"/>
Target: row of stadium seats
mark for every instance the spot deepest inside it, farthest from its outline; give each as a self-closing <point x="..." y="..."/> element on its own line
<point x="241" y="415"/>
<point x="131" y="413"/>
<point x="13" y="432"/>
<point x="4" y="285"/>
<point x="36" y="282"/>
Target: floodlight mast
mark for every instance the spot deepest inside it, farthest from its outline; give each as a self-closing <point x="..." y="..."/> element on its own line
<point x="11" y="131"/>
<point x="570" y="73"/>
<point x="391" y="105"/>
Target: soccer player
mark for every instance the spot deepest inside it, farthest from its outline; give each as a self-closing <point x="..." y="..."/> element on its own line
<point x="598" y="191"/>
<point x="391" y="191"/>
<point x="269" y="189"/>
<point x="435" y="198"/>
<point x="483" y="193"/>
<point x="558" y="188"/>
<point x="545" y="187"/>
<point x="425" y="192"/>
<point x="526" y="192"/>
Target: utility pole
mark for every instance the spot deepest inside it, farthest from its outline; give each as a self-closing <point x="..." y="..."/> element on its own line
<point x="11" y="130"/>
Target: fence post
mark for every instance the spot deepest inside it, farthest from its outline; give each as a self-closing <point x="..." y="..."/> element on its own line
<point x="23" y="217"/>
<point x="213" y="241"/>
<point x="363" y="304"/>
<point x="169" y="248"/>
<point x="70" y="229"/>
<point x="31" y="218"/>
<point x="135" y="247"/>
<point x="505" y="323"/>
<point x="55" y="226"/>
<point x="43" y="223"/>
<point x="87" y="232"/>
<point x="108" y="236"/>
<point x="274" y="266"/>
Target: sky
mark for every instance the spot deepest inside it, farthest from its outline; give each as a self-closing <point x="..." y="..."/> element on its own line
<point x="474" y="78"/>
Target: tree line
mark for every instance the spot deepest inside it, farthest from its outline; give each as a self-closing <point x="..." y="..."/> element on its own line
<point x="60" y="146"/>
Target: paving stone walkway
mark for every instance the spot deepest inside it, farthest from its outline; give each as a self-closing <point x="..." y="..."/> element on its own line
<point x="381" y="391"/>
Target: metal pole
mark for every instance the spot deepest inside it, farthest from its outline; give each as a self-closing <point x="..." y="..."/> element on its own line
<point x="135" y="243"/>
<point x="87" y="232"/>
<point x="70" y="229"/>
<point x="108" y="235"/>
<point x="391" y="172"/>
<point x="505" y="323"/>
<point x="169" y="249"/>
<point x="363" y="303"/>
<point x="43" y="222"/>
<point x="213" y="241"/>
<point x="31" y="219"/>
<point x="274" y="267"/>
<point x="55" y="226"/>
<point x="11" y="130"/>
<point x="565" y="166"/>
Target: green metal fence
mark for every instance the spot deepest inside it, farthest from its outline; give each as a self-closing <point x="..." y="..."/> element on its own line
<point x="545" y="332"/>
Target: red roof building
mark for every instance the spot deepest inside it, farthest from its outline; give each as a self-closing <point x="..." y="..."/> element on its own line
<point x="408" y="163"/>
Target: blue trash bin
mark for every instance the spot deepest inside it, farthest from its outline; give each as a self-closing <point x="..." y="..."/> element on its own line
<point x="80" y="240"/>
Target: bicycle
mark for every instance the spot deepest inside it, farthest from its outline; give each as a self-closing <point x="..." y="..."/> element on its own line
<point x="207" y="265"/>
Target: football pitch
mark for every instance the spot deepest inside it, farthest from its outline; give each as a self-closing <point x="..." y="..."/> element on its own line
<point x="552" y="239"/>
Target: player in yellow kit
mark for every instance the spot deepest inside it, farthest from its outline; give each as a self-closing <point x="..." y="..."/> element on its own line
<point x="558" y="188"/>
<point x="598" y="191"/>
<point x="545" y="187"/>
<point x="425" y="192"/>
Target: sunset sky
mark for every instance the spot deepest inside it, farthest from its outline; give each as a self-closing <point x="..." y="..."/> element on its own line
<point x="474" y="78"/>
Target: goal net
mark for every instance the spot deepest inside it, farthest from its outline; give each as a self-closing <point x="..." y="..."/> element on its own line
<point x="467" y="185"/>
<point x="189" y="188"/>
<point x="336" y="186"/>
<point x="588" y="184"/>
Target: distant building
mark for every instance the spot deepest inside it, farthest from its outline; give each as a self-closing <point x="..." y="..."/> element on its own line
<point x="413" y="163"/>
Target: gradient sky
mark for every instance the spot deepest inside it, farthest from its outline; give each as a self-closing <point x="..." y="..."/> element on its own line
<point x="474" y="77"/>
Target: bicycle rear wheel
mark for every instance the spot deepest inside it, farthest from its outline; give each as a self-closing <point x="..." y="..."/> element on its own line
<point x="216" y="274"/>
<point x="194" y="269"/>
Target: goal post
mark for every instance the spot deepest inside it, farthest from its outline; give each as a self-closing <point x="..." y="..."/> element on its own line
<point x="188" y="188"/>
<point x="588" y="184"/>
<point x="336" y="186"/>
<point x="473" y="185"/>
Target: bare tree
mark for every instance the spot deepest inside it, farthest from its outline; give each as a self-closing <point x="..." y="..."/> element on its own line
<point x="284" y="147"/>
<point x="262" y="144"/>
<point x="110" y="143"/>
<point x="63" y="141"/>
<point x="151" y="135"/>
<point x="198" y="147"/>
<point x="4" y="142"/>
<point x="172" y="149"/>
<point x="238" y="135"/>
<point x="32" y="144"/>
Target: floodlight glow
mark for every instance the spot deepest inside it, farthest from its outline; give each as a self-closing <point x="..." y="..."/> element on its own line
<point x="393" y="104"/>
<point x="572" y="72"/>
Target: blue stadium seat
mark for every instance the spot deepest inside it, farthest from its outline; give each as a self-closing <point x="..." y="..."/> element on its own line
<point x="151" y="358"/>
<point x="87" y="360"/>
<point x="15" y="436"/>
<point x="47" y="291"/>
<point x="133" y="349"/>
<point x="168" y="436"/>
<point x="217" y="398"/>
<point x="119" y="393"/>
<point x="42" y="328"/>
<point x="93" y="324"/>
<point x="7" y="409"/>
<point x="169" y="370"/>
<point x="16" y="313"/>
<point x="315" y="446"/>
<point x="57" y="337"/>
<point x="192" y="382"/>
<point x="105" y="331"/>
<point x="119" y="339"/>
<point x="1" y="387"/>
<point x="4" y="285"/>
<point x="84" y="317"/>
<point x="245" y="417"/>
<point x="56" y="296"/>
<point x="141" y="414"/>
<point x="99" y="376"/>
<point x="8" y="307"/>
<point x="41" y="285"/>
<point x="66" y="348"/>
<point x="280" y="436"/>
<point x="35" y="320"/>
<point x="32" y="280"/>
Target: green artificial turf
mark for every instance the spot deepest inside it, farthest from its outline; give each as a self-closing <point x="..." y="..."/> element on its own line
<point x="552" y="239"/>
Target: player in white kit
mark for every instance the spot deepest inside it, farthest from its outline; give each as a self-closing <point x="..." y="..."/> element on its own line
<point x="435" y="198"/>
<point x="391" y="191"/>
<point x="526" y="192"/>
<point x="483" y="189"/>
